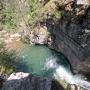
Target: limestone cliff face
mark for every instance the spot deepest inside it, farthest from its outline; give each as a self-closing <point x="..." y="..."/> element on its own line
<point x="71" y="34"/>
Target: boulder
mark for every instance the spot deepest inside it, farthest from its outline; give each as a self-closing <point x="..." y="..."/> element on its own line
<point x="26" y="81"/>
<point x="71" y="34"/>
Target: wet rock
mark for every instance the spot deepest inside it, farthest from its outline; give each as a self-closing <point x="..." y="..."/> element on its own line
<point x="26" y="81"/>
<point x="74" y="87"/>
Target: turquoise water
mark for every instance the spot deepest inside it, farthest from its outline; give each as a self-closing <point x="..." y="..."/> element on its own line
<point x="34" y="57"/>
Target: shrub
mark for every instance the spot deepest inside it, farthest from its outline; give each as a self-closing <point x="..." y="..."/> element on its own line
<point x="8" y="18"/>
<point x="6" y="62"/>
<point x="34" y="12"/>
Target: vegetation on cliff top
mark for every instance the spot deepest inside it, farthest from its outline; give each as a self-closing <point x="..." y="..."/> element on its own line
<point x="16" y="13"/>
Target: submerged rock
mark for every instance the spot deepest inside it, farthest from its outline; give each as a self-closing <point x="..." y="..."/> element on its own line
<point x="26" y="81"/>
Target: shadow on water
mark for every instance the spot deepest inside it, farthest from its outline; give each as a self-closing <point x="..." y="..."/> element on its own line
<point x="18" y="62"/>
<point x="62" y="60"/>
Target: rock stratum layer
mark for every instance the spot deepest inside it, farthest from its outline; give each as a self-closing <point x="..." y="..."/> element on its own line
<point x="71" y="34"/>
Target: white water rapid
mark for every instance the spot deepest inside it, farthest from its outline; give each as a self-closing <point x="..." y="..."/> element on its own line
<point x="62" y="73"/>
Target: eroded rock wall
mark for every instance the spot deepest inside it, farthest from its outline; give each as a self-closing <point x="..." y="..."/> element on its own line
<point x="71" y="34"/>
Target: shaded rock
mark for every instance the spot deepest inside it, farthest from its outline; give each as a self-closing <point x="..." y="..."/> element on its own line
<point x="25" y="81"/>
<point x="2" y="80"/>
<point x="71" y="34"/>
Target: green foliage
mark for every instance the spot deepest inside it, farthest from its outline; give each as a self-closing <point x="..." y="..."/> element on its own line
<point x="34" y="11"/>
<point x="9" y="21"/>
<point x="9" y="18"/>
<point x="15" y="15"/>
<point x="22" y="13"/>
<point x="1" y="45"/>
<point x="6" y="62"/>
<point x="57" y="15"/>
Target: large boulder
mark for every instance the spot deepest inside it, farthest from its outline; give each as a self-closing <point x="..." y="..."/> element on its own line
<point x="26" y="81"/>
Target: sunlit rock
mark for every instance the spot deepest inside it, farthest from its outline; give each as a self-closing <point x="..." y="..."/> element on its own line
<point x="38" y="35"/>
<point x="19" y="75"/>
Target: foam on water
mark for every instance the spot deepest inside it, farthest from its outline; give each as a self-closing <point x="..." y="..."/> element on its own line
<point x="61" y="73"/>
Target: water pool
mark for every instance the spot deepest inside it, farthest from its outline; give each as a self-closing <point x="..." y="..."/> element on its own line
<point x="34" y="57"/>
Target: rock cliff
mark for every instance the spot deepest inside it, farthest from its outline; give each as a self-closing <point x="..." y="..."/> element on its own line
<point x="26" y="81"/>
<point x="68" y="23"/>
<point x="71" y="34"/>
